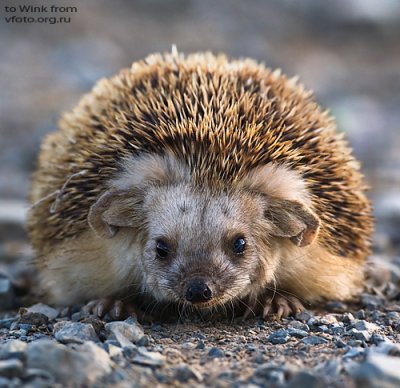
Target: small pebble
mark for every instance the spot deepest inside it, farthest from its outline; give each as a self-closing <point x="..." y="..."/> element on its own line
<point x="279" y="337"/>
<point x="7" y="323"/>
<point x="125" y="333"/>
<point x="80" y="366"/>
<point x="141" y="356"/>
<point x="74" y="332"/>
<point x="184" y="373"/>
<point x="299" y="325"/>
<point x="360" y="314"/>
<point x="354" y="352"/>
<point x="304" y="315"/>
<point x="371" y="302"/>
<point x="200" y="345"/>
<point x="377" y="339"/>
<point x="347" y="318"/>
<point x="314" y="340"/>
<point x="216" y="353"/>
<point x="361" y="335"/>
<point x="50" y="312"/>
<point x="367" y="326"/>
<point x="269" y="375"/>
<point x="297" y="333"/>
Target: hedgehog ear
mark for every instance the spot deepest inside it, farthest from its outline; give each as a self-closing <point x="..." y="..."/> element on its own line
<point x="114" y="209"/>
<point x="293" y="220"/>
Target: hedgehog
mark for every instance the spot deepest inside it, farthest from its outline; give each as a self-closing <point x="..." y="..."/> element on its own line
<point x="200" y="182"/>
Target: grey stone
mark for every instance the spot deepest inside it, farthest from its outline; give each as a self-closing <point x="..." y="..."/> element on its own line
<point x="328" y="319"/>
<point x="7" y="323"/>
<point x="184" y="373"/>
<point x="377" y="339"/>
<point x="42" y="308"/>
<point x="355" y="343"/>
<point x="269" y="375"/>
<point x="297" y="333"/>
<point x="377" y="371"/>
<point x="26" y="327"/>
<point x="392" y="318"/>
<point x="125" y="333"/>
<point x="216" y="353"/>
<point x="360" y="314"/>
<point x="314" y="340"/>
<point x="371" y="301"/>
<point x="79" y="315"/>
<point x="305" y="380"/>
<point x="337" y="329"/>
<point x="141" y="356"/>
<point x="322" y="329"/>
<point x="200" y="345"/>
<point x="299" y="325"/>
<point x="82" y="365"/>
<point x="364" y="325"/>
<point x="304" y="315"/>
<point x="250" y="348"/>
<point x="340" y="344"/>
<point x="74" y="332"/>
<point x="347" y="318"/>
<point x="11" y="368"/>
<point x="361" y="335"/>
<point x="354" y="352"/>
<point x="13" y="349"/>
<point x="279" y="337"/>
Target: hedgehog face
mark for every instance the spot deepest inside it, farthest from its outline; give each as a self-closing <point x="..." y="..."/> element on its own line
<point x="203" y="248"/>
<point x="204" y="245"/>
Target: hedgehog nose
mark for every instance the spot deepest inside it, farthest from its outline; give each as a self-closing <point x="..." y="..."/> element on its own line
<point x="198" y="291"/>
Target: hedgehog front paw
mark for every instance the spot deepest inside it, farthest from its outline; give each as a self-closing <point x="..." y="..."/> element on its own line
<point x="274" y="306"/>
<point x="117" y="309"/>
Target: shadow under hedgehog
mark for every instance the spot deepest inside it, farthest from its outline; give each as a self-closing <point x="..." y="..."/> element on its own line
<point x="199" y="182"/>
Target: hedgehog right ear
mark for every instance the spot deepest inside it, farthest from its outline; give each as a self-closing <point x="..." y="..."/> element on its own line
<point x="120" y="206"/>
<point x="114" y="209"/>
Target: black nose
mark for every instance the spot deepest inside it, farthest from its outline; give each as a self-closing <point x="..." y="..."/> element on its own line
<point x="198" y="291"/>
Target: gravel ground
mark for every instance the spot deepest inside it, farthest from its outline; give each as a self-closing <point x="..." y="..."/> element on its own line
<point x="336" y="344"/>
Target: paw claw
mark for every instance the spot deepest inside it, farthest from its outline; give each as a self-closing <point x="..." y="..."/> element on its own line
<point x="117" y="309"/>
<point x="280" y="306"/>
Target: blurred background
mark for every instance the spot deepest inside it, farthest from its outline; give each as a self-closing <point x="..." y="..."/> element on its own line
<point x="347" y="51"/>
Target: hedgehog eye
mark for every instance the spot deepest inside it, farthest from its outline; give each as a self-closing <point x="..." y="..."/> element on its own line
<point x="162" y="249"/>
<point x="239" y="245"/>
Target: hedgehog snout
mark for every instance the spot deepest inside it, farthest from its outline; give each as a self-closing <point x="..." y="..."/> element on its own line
<point x="198" y="291"/>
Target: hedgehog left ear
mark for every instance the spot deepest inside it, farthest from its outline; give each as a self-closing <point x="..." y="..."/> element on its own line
<point x="113" y="209"/>
<point x="286" y="202"/>
<point x="293" y="220"/>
